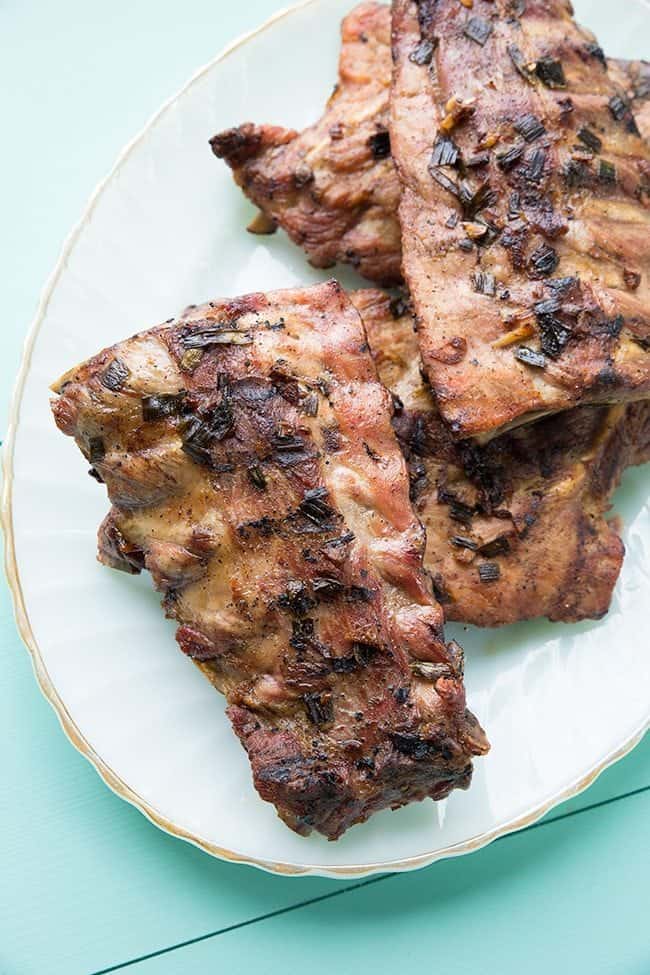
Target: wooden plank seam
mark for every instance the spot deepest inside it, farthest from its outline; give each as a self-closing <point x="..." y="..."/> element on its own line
<point x="120" y="966"/>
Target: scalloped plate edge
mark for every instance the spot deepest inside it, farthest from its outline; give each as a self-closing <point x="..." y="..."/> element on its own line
<point x="112" y="780"/>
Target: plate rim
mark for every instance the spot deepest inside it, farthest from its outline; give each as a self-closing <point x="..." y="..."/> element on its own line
<point x="21" y="614"/>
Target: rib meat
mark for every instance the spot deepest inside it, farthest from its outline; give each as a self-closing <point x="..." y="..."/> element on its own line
<point x="332" y="187"/>
<point x="524" y="212"/>
<point x="248" y="453"/>
<point x="329" y="223"/>
<point x="515" y="529"/>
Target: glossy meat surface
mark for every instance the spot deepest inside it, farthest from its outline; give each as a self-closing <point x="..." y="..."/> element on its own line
<point x="332" y="187"/>
<point x="524" y="212"/>
<point x="515" y="529"/>
<point x="249" y="457"/>
<point x="358" y="110"/>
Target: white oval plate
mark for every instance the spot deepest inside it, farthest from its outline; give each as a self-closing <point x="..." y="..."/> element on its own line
<point x="166" y="228"/>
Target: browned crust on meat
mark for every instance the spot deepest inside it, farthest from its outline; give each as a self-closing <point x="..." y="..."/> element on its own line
<point x="531" y="502"/>
<point x="332" y="187"/>
<point x="560" y="226"/>
<point x="249" y="150"/>
<point x="248" y="453"/>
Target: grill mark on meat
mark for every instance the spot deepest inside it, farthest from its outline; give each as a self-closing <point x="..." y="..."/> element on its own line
<point x="532" y="501"/>
<point x="260" y="145"/>
<point x="332" y="187"/>
<point x="594" y="208"/>
<point x="303" y="600"/>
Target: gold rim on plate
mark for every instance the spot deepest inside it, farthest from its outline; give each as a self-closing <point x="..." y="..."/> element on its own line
<point x="111" y="778"/>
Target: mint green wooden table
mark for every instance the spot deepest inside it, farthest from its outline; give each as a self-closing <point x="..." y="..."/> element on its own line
<point x="86" y="884"/>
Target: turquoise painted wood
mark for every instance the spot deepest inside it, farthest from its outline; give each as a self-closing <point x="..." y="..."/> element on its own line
<point x="108" y="885"/>
<point x="555" y="899"/>
<point x="86" y="883"/>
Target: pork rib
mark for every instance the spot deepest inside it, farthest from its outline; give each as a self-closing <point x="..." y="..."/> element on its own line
<point x="329" y="221"/>
<point x="633" y="78"/>
<point x="515" y="529"/>
<point x="332" y="187"/>
<point x="248" y="453"/>
<point x="524" y="212"/>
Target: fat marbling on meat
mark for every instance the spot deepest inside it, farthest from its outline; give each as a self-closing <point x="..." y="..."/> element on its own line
<point x="250" y="461"/>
